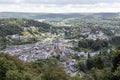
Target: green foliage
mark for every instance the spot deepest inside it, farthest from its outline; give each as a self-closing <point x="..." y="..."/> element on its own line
<point x="91" y="44"/>
<point x="54" y="73"/>
<point x="99" y="64"/>
<point x="90" y="63"/>
<point x="116" y="61"/>
<point x="13" y="75"/>
<point x="116" y="65"/>
<point x="115" y="41"/>
<point x="102" y="68"/>
<point x="11" y="26"/>
<point x="12" y="68"/>
<point x="116" y="74"/>
<point x="77" y="77"/>
<point x="6" y="65"/>
<point x="82" y="66"/>
<point x="96" y="74"/>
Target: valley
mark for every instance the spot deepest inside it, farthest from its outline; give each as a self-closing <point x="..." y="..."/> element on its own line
<point x="75" y="41"/>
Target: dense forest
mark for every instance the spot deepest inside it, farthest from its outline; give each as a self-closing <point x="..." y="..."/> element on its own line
<point x="12" y="26"/>
<point x="11" y="68"/>
<point x="91" y="44"/>
<point x="104" y="66"/>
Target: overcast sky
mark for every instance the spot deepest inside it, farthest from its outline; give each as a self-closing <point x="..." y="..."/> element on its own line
<point x="59" y="6"/>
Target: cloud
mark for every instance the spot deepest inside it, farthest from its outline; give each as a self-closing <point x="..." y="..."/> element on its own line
<point x="53" y="8"/>
<point x="59" y="6"/>
<point x="59" y="2"/>
<point x="70" y="1"/>
<point x="10" y="1"/>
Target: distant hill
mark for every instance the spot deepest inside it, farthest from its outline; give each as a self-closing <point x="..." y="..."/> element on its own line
<point x="52" y="15"/>
<point x="21" y="31"/>
<point x="10" y="26"/>
<point x="61" y="19"/>
<point x="36" y="15"/>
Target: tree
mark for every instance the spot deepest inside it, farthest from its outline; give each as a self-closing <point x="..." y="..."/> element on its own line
<point x="54" y="73"/>
<point x="99" y="64"/>
<point x="90" y="63"/>
<point x="5" y="66"/>
<point x="116" y="74"/>
<point x="14" y="75"/>
<point x="77" y="77"/>
<point x="116" y="61"/>
<point x="101" y="74"/>
<point x="96" y="45"/>
<point x="82" y="66"/>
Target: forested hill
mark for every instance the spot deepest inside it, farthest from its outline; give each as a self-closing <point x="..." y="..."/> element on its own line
<point x="60" y="19"/>
<point x="56" y="15"/>
<point x="37" y="15"/>
<point x="10" y="26"/>
<point x="21" y="31"/>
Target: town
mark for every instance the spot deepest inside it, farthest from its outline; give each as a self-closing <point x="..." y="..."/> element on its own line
<point x="56" y="46"/>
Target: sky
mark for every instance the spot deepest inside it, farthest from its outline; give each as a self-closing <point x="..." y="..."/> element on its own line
<point x="60" y="6"/>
